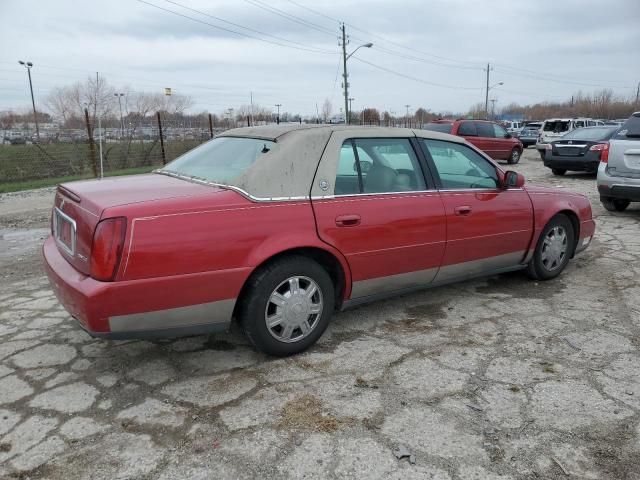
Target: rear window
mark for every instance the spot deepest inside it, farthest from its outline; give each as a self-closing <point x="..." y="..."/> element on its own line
<point x="593" y="134"/>
<point x="438" y="127"/>
<point x="220" y="160"/>
<point x="557" y="126"/>
<point x="630" y="129"/>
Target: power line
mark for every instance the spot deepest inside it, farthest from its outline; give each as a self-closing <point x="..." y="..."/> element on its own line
<point x="291" y="17"/>
<point x="232" y="31"/>
<point x="548" y="78"/>
<point x="240" y="26"/>
<point x="476" y="65"/>
<point x="426" y="82"/>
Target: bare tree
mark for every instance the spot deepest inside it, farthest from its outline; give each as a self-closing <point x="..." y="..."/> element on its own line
<point x="326" y="110"/>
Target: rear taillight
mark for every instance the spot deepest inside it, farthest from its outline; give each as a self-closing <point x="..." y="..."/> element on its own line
<point x="603" y="148"/>
<point x="108" y="242"/>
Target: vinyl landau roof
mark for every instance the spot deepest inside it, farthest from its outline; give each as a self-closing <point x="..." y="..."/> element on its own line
<point x="287" y="170"/>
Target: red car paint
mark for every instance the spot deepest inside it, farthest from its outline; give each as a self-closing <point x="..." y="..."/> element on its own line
<point x="497" y="148"/>
<point x="188" y="244"/>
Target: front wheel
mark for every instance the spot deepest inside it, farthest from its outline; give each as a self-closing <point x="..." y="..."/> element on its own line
<point x="514" y="157"/>
<point x="615" y="204"/>
<point x="554" y="248"/>
<point x="559" y="171"/>
<point x="287" y="305"/>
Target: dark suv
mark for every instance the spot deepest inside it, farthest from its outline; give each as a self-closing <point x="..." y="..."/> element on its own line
<point x="490" y="137"/>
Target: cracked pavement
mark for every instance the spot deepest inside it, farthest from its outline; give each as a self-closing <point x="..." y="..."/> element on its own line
<point x="498" y="378"/>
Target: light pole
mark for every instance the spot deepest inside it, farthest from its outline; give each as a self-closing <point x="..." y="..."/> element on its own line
<point x="350" y="109"/>
<point x="278" y="117"/>
<point x="120" y="95"/>
<point x="28" y="66"/>
<point x="406" y="118"/>
<point x="345" y="76"/>
<point x="486" y="98"/>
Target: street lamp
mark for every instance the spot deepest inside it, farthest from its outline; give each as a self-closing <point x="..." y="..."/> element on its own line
<point x="278" y="117"/>
<point x="346" y="57"/>
<point x="120" y="95"/>
<point x="406" y="118"/>
<point x="28" y="66"/>
<point x="486" y="98"/>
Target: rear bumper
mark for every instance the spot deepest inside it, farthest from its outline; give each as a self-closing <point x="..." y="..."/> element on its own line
<point x="609" y="186"/>
<point x="527" y="142"/>
<point x="582" y="164"/>
<point x="150" y="308"/>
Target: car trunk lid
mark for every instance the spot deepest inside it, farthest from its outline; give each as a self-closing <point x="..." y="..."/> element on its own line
<point x="624" y="149"/>
<point x="78" y="207"/>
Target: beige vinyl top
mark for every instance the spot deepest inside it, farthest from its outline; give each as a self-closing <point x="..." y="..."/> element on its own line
<point x="288" y="169"/>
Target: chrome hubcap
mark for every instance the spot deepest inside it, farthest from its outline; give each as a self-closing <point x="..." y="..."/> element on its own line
<point x="294" y="309"/>
<point x="554" y="248"/>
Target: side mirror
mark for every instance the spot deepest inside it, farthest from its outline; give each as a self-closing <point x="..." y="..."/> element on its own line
<point x="507" y="135"/>
<point x="513" y="180"/>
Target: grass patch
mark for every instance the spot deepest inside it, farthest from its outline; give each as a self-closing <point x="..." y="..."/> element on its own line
<point x="49" y="182"/>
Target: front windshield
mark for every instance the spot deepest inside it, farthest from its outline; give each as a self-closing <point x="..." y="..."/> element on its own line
<point x="220" y="160"/>
<point x="591" y="133"/>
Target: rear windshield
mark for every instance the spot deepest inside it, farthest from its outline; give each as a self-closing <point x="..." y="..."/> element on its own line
<point x="439" y="127"/>
<point x="220" y="160"/>
<point x="630" y="129"/>
<point x="593" y="134"/>
<point x="557" y="126"/>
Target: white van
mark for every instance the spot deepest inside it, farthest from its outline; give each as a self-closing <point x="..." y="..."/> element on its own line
<point x="554" y="128"/>
<point x="514" y="128"/>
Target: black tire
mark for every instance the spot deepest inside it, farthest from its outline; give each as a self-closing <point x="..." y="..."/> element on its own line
<point x="615" y="204"/>
<point x="514" y="157"/>
<point x="559" y="171"/>
<point x="254" y="305"/>
<point x="537" y="268"/>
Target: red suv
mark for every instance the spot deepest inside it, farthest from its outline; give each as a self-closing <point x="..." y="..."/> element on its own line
<point x="489" y="137"/>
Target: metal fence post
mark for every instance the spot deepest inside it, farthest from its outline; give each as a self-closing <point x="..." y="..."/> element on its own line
<point x="92" y="146"/>
<point x="164" y="158"/>
<point x="210" y="126"/>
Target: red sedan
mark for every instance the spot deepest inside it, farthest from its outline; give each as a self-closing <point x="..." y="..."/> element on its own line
<point x="278" y="227"/>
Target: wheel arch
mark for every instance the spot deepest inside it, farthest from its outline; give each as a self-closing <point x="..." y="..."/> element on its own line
<point x="575" y="223"/>
<point x="335" y="267"/>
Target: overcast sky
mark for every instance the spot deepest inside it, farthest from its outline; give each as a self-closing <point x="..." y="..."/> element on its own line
<point x="541" y="49"/>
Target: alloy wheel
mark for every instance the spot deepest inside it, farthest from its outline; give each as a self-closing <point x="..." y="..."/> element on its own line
<point x="554" y="248"/>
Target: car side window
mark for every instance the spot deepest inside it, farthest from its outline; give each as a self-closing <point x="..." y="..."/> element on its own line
<point x="378" y="165"/>
<point x="498" y="131"/>
<point x="485" y="129"/>
<point x="468" y="129"/>
<point x="460" y="167"/>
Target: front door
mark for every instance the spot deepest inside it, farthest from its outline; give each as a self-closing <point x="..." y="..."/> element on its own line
<point x="488" y="228"/>
<point x="373" y="203"/>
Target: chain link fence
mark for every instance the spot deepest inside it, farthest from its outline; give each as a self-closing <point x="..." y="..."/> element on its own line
<point x="67" y="154"/>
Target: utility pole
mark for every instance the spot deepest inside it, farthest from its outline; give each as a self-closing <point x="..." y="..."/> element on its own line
<point x="406" y="118"/>
<point x="493" y="108"/>
<point x="638" y="95"/>
<point x="350" y="108"/>
<point x="99" y="126"/>
<point x="486" y="97"/>
<point x="120" y="95"/>
<point x="251" y="94"/>
<point x="278" y="117"/>
<point x="344" y="75"/>
<point x="28" y="66"/>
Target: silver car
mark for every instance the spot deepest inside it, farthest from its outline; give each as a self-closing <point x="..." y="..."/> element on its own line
<point x="619" y="171"/>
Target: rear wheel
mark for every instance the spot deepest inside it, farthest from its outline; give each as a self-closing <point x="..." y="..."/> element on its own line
<point x="559" y="171"/>
<point x="514" y="157"/>
<point x="554" y="249"/>
<point x="615" y="204"/>
<point x="287" y="305"/>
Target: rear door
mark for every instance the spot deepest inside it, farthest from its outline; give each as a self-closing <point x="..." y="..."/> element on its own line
<point x="488" y="228"/>
<point x="624" y="149"/>
<point x="373" y="203"/>
<point x="503" y="145"/>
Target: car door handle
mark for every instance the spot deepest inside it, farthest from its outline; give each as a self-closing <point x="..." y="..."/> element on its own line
<point x="463" y="210"/>
<point x="348" y="220"/>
